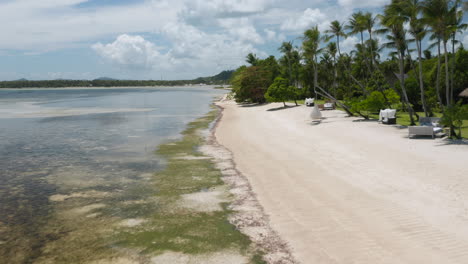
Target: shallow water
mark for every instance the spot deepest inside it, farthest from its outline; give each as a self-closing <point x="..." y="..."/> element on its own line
<point x="65" y="151"/>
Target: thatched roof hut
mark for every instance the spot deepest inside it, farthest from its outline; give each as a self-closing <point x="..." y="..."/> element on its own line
<point x="464" y="93"/>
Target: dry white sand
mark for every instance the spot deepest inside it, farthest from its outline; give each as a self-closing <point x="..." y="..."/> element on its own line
<point x="352" y="192"/>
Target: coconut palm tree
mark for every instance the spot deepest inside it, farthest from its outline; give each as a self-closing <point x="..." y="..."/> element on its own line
<point x="369" y="22"/>
<point x="287" y="49"/>
<point x="332" y="50"/>
<point x="311" y="49"/>
<point x="437" y="15"/>
<point x="411" y="11"/>
<point x="336" y="29"/>
<point x="456" y="25"/>
<point x="252" y="59"/>
<point x="396" y="36"/>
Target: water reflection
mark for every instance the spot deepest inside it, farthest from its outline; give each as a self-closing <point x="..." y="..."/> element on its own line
<point x="66" y="153"/>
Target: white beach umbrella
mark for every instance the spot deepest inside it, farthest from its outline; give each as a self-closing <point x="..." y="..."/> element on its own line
<point x="315" y="114"/>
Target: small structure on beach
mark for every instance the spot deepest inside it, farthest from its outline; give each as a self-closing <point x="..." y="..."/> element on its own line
<point x="464" y="95"/>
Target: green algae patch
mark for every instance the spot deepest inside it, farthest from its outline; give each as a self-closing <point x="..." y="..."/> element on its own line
<point x="174" y="227"/>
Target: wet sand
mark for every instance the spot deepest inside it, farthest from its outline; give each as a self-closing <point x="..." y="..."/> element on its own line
<point x="347" y="191"/>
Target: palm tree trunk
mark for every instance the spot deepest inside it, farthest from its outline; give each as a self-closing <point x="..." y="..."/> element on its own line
<point x="403" y="88"/>
<point x="338" y="44"/>
<point x="335" y="76"/>
<point x="438" y="75"/>
<point x="447" y="85"/>
<point x="371" y="50"/>
<point x="452" y="70"/>
<point x="421" y="83"/>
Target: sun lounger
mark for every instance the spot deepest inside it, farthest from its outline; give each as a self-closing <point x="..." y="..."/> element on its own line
<point x="429" y="126"/>
<point x="328" y="106"/>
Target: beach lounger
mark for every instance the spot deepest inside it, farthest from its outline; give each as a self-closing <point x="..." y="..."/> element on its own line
<point x="428" y="126"/>
<point x="328" y="106"/>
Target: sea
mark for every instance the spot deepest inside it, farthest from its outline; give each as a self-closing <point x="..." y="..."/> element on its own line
<point x="60" y="144"/>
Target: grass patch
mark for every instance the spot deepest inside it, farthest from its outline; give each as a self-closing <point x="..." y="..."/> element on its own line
<point x="173" y="228"/>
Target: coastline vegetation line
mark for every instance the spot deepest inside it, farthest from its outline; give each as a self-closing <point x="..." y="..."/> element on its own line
<point x="176" y="228"/>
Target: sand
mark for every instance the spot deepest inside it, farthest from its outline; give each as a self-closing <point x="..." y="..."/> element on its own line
<point x="346" y="191"/>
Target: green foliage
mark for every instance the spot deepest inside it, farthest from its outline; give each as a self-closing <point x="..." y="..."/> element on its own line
<point x="453" y="117"/>
<point x="375" y="102"/>
<point x="281" y="91"/>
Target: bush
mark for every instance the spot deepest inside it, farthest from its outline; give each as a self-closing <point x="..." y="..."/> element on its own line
<point x="281" y="91"/>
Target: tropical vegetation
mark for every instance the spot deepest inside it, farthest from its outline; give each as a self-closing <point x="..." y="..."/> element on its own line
<point x="419" y="68"/>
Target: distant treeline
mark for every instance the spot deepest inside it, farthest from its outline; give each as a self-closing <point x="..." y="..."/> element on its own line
<point x="221" y="78"/>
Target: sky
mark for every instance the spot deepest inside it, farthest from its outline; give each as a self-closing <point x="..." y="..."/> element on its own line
<point x="155" y="39"/>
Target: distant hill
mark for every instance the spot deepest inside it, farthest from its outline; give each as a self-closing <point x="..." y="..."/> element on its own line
<point x="21" y="80"/>
<point x="220" y="78"/>
<point x="104" y="79"/>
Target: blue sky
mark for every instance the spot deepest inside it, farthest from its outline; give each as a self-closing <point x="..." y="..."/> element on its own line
<point x="153" y="39"/>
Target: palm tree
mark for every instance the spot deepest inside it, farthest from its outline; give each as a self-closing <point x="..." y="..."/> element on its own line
<point x="287" y="49"/>
<point x="393" y="23"/>
<point x="252" y="59"/>
<point x="311" y="48"/>
<point x="410" y="11"/>
<point x="336" y="29"/>
<point x="369" y="23"/>
<point x="331" y="50"/>
<point x="435" y="13"/>
<point x="456" y="25"/>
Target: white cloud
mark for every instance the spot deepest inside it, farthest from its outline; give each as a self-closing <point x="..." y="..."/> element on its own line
<point x="362" y="3"/>
<point x="348" y="44"/>
<point x="309" y="18"/>
<point x="129" y="51"/>
<point x="272" y="35"/>
<point x="242" y="29"/>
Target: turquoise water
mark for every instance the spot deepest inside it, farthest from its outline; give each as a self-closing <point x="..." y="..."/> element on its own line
<point x="63" y="151"/>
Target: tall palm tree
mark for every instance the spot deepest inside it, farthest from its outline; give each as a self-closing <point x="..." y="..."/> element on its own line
<point x="435" y="15"/>
<point x="369" y="23"/>
<point x="287" y="49"/>
<point x="336" y="29"/>
<point x="332" y="50"/>
<point x="311" y="48"/>
<point x="357" y="24"/>
<point x="411" y="11"/>
<point x="456" y="25"/>
<point x="396" y="36"/>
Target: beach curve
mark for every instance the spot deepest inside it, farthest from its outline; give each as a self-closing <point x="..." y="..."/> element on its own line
<point x="346" y="191"/>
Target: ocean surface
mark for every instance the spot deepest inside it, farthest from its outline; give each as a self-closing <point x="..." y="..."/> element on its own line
<point x="94" y="144"/>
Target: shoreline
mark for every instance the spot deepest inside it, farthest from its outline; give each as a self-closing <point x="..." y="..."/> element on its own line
<point x="349" y="191"/>
<point x="248" y="215"/>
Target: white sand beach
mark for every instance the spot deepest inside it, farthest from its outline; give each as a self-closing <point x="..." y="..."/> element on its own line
<point x="346" y="191"/>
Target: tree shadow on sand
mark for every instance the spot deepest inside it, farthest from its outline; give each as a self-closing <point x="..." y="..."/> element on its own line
<point x="251" y="104"/>
<point x="282" y="108"/>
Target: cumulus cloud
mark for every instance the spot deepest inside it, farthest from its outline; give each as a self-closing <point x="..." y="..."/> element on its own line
<point x="348" y="44"/>
<point x="308" y="18"/>
<point x="362" y="3"/>
<point x="129" y="51"/>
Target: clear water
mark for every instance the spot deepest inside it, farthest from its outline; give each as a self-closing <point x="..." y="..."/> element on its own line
<point x="74" y="141"/>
